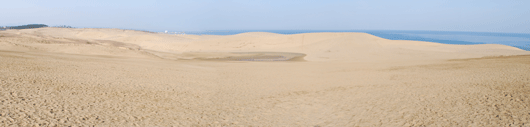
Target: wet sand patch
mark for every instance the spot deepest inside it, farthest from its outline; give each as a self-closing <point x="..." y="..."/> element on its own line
<point x="249" y="56"/>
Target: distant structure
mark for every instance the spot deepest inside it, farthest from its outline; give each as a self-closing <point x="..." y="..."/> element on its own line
<point x="63" y="26"/>
<point x="29" y="26"/>
<point x="166" y="32"/>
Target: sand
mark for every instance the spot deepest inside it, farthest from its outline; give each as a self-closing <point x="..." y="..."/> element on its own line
<point x="113" y="77"/>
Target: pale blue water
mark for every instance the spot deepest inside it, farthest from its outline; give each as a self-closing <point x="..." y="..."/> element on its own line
<point x="518" y="40"/>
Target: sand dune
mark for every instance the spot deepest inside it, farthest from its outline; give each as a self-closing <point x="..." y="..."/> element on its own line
<point x="359" y="47"/>
<point x="113" y="77"/>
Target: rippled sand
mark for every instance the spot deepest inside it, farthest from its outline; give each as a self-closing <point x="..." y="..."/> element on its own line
<point x="112" y="77"/>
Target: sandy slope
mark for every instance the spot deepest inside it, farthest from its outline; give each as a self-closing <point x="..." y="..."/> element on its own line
<point x="112" y="77"/>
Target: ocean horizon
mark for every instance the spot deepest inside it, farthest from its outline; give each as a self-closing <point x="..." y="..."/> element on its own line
<point x="519" y="40"/>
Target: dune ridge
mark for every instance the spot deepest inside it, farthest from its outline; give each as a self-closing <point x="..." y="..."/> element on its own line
<point x="317" y="46"/>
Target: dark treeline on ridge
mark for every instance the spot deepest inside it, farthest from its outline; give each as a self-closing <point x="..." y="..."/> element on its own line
<point x="29" y="26"/>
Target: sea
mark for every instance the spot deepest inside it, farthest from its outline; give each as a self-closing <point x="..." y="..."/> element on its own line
<point x="519" y="40"/>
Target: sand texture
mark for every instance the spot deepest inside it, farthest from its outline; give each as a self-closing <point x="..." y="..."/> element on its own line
<point x="113" y="77"/>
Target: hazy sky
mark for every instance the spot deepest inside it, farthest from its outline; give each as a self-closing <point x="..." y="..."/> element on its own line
<point x="511" y="16"/>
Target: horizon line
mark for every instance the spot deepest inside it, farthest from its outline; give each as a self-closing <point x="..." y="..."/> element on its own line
<point x="268" y="30"/>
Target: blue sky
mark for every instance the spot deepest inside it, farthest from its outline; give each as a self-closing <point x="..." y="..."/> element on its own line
<point x="511" y="16"/>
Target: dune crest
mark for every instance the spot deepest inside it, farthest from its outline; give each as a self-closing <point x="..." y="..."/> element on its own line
<point x="358" y="47"/>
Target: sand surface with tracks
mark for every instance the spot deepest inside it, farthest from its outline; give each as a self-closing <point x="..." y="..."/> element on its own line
<point x="113" y="77"/>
